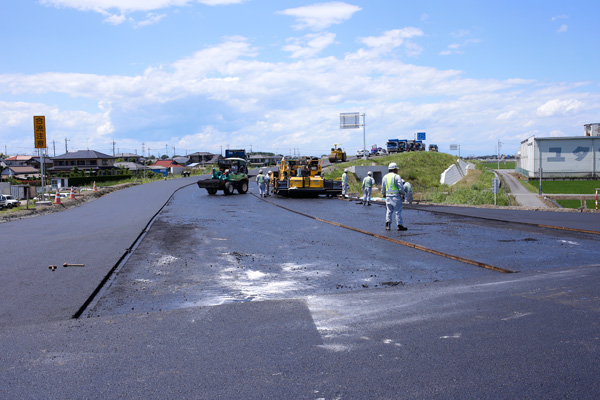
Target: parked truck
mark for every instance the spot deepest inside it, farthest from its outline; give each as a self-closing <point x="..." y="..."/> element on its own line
<point x="396" y="145"/>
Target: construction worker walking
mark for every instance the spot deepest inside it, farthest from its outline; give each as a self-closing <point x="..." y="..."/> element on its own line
<point x="367" y="186"/>
<point x="408" y="192"/>
<point x="392" y="191"/>
<point x="345" y="182"/>
<point x="268" y="182"/>
<point x="261" y="181"/>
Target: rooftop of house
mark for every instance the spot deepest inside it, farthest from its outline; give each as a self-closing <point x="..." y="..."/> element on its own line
<point x="82" y="154"/>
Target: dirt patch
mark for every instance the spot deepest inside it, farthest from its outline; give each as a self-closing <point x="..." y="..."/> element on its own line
<point x="82" y="198"/>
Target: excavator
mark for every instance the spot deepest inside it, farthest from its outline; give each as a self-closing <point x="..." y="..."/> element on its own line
<point x="302" y="177"/>
<point x="337" y="154"/>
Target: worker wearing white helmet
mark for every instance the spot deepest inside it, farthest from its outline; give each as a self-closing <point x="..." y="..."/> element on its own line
<point x="392" y="189"/>
<point x="261" y="181"/>
<point x="268" y="182"/>
<point x="408" y="192"/>
<point x="345" y="185"/>
<point x="367" y="185"/>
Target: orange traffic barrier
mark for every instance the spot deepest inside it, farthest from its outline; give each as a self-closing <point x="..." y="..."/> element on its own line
<point x="57" y="198"/>
<point x="72" y="195"/>
<point x="94" y="189"/>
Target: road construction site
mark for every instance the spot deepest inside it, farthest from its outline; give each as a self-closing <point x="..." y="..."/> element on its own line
<point x="212" y="296"/>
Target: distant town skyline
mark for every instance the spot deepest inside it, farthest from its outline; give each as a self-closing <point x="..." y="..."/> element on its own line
<point x="204" y="75"/>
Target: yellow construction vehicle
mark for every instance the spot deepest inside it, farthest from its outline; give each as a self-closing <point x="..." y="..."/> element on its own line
<point x="302" y="177"/>
<point x="337" y="154"/>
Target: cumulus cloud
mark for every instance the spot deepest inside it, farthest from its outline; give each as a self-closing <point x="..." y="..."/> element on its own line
<point x="309" y="45"/>
<point x="558" y="106"/>
<point x="321" y="16"/>
<point x="276" y="105"/>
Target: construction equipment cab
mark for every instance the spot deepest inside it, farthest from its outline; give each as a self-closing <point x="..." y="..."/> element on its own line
<point x="337" y="154"/>
<point x="302" y="177"/>
<point x="230" y="175"/>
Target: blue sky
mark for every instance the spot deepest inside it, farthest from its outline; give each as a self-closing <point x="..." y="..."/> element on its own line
<point x="203" y="75"/>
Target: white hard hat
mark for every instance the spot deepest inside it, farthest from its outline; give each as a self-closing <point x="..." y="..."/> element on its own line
<point x="345" y="169"/>
<point x="269" y="172"/>
<point x="392" y="166"/>
<point x="369" y="173"/>
<point x="260" y="171"/>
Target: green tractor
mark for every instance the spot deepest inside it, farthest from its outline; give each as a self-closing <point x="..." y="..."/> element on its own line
<point x="231" y="175"/>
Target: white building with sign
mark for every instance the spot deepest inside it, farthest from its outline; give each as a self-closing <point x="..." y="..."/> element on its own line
<point x="561" y="157"/>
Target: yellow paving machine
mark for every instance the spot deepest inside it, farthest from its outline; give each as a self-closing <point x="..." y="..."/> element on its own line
<point x="302" y="177"/>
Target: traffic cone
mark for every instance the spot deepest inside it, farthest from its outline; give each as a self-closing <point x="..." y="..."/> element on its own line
<point x="94" y="189"/>
<point x="57" y="198"/>
<point x="72" y="195"/>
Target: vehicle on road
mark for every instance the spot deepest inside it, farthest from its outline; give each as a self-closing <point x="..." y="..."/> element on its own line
<point x="337" y="154"/>
<point x="360" y="153"/>
<point x="302" y="177"/>
<point x="433" y="147"/>
<point x="231" y="175"/>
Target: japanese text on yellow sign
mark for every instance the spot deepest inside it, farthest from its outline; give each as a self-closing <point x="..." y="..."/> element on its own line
<point x="39" y="131"/>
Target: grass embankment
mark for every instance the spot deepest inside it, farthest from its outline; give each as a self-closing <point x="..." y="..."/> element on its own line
<point x="503" y="164"/>
<point x="423" y="171"/>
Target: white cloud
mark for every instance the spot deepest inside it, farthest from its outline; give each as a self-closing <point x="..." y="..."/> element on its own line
<point x="558" y="106"/>
<point x="115" y="19"/>
<point x="151" y="19"/>
<point x="131" y="5"/>
<point x="321" y="16"/>
<point x="563" y="28"/>
<point x="456" y="48"/>
<point x="309" y="45"/>
<point x="282" y="105"/>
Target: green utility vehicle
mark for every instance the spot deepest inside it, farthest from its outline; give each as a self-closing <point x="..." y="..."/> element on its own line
<point x="231" y="175"/>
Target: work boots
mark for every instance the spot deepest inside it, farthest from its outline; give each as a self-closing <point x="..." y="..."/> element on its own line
<point x="402" y="228"/>
<point x="387" y="226"/>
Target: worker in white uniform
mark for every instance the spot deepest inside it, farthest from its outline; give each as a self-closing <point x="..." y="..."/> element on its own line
<point x="367" y="185"/>
<point x="408" y="192"/>
<point x="392" y="191"/>
<point x="268" y="182"/>
<point x="261" y="181"/>
<point x="345" y="182"/>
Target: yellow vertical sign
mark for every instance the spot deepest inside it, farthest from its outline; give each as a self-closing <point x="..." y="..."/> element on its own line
<point x="39" y="131"/>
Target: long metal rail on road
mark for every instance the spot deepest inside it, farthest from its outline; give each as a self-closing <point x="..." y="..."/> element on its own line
<point x="400" y="242"/>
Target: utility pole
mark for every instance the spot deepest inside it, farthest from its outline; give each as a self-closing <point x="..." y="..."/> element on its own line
<point x="54" y="147"/>
<point x="66" y="148"/>
<point x="113" y="146"/>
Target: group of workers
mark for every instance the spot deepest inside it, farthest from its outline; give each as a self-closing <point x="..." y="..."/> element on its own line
<point x="393" y="189"/>
<point x="264" y="183"/>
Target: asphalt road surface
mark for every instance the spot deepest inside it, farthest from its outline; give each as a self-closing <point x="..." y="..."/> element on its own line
<point x="236" y="297"/>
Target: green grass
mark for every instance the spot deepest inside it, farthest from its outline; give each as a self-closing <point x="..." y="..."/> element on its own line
<point x="576" y="203"/>
<point x="423" y="171"/>
<point x="503" y="164"/>
<point x="569" y="187"/>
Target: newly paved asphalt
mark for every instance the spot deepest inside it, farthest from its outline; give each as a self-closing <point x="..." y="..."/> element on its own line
<point x="468" y="335"/>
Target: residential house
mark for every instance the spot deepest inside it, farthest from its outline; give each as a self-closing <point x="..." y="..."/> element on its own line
<point x="263" y="159"/>
<point x="84" y="160"/>
<point x="203" y="157"/>
<point x="21" y="172"/>
<point x="131" y="157"/>
<point x="169" y="166"/>
<point x="131" y="166"/>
